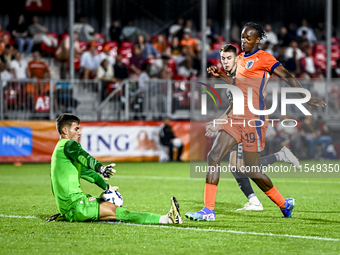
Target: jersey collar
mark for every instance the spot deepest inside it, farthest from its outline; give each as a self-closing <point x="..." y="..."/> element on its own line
<point x="233" y="74"/>
<point x="250" y="54"/>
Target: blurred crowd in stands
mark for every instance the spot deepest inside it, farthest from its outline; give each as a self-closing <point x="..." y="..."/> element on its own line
<point x="315" y="135"/>
<point x="175" y="54"/>
<point x="132" y="53"/>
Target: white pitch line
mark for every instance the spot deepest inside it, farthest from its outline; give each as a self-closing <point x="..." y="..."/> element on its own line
<point x="231" y="231"/>
<point x="18" y="216"/>
<point x="198" y="229"/>
<point x="173" y="178"/>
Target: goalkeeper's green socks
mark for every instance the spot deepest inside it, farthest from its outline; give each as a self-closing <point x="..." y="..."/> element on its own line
<point x="140" y="218"/>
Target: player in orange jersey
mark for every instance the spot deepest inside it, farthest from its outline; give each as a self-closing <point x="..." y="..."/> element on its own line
<point x="228" y="54"/>
<point x="254" y="68"/>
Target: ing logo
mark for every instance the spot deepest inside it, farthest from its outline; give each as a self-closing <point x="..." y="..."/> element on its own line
<point x="204" y="97"/>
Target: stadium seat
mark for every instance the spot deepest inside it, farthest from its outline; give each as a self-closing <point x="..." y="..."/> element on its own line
<point x="172" y="66"/>
<point x="126" y="49"/>
<point x="216" y="46"/>
<point x="335" y="54"/>
<point x="83" y="45"/>
<point x="319" y="55"/>
<point x="14" y="94"/>
<point x="126" y="53"/>
<point x="127" y="44"/>
<point x="113" y="45"/>
<point x="196" y="96"/>
<point x="182" y="99"/>
<point x="320" y="47"/>
<point x="76" y="63"/>
<point x="63" y="36"/>
<point x="182" y="85"/>
<point x="111" y="86"/>
<point x="178" y="77"/>
<point x="99" y="35"/>
<point x="99" y="46"/>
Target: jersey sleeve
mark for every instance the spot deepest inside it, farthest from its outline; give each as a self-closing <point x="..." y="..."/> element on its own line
<point x="74" y="151"/>
<point x="269" y="62"/>
<point x="93" y="177"/>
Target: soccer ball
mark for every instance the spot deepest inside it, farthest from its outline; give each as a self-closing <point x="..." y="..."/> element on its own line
<point x="176" y="142"/>
<point x="163" y="156"/>
<point x="112" y="196"/>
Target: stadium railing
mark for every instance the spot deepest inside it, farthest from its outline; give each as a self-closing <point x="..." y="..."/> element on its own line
<point x="133" y="99"/>
<point x="33" y="99"/>
<point x="94" y="100"/>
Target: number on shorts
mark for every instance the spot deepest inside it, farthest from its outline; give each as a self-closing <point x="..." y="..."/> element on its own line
<point x="250" y="137"/>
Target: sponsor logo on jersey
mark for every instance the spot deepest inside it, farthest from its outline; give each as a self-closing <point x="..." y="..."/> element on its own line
<point x="249" y="64"/>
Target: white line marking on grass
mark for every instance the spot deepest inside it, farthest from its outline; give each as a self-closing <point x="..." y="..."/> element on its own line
<point x="231" y="179"/>
<point x="196" y="229"/>
<point x="18" y="216"/>
<point x="230" y="231"/>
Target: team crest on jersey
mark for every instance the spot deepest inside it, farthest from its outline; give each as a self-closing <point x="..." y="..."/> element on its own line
<point x="249" y="64"/>
<point x="92" y="199"/>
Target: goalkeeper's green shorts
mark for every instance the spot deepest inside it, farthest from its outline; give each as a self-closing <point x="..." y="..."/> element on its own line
<point x="85" y="208"/>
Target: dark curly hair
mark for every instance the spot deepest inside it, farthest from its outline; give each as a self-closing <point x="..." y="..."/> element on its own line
<point x="258" y="28"/>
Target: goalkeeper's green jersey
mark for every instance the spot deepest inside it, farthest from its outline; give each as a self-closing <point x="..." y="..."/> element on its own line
<point x="70" y="163"/>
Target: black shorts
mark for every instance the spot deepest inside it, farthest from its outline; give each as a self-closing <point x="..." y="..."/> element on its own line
<point x="239" y="149"/>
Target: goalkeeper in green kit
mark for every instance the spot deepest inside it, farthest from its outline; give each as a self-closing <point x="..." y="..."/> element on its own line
<point x="70" y="163"/>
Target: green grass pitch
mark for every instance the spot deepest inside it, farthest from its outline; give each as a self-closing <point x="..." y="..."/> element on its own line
<point x="147" y="187"/>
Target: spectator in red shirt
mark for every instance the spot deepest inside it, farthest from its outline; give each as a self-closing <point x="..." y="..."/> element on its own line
<point x="37" y="67"/>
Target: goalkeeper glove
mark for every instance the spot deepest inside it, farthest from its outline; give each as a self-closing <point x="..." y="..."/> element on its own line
<point x="106" y="171"/>
<point x="108" y="186"/>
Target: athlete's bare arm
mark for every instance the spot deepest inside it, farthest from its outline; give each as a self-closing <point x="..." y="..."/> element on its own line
<point x="287" y="77"/>
<point x="215" y="71"/>
<point x="211" y="128"/>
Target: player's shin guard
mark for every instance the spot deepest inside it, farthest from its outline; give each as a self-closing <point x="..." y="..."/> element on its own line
<point x="276" y="197"/>
<point x="210" y="195"/>
<point x="136" y="217"/>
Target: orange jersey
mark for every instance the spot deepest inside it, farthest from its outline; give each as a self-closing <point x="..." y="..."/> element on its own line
<point x="38" y="68"/>
<point x="254" y="70"/>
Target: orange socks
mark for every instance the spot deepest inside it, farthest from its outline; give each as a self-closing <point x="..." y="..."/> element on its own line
<point x="276" y="197"/>
<point x="210" y="195"/>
